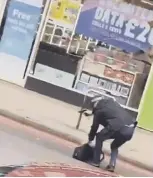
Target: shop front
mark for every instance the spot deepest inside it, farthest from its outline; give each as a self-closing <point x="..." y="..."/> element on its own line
<point x="20" y="23"/>
<point x="94" y="48"/>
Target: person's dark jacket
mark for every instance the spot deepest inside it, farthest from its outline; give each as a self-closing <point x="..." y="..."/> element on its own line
<point x="111" y="115"/>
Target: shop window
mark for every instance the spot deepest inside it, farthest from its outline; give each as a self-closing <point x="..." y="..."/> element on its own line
<point x="115" y="73"/>
<point x="56" y="40"/>
<point x="57" y="35"/>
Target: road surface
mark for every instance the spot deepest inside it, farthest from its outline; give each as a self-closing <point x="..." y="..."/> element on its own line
<point x="22" y="145"/>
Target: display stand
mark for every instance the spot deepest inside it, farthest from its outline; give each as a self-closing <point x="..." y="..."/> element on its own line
<point x="114" y="77"/>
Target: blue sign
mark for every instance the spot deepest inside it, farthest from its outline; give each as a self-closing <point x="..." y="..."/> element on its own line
<point x="119" y="24"/>
<point x="20" y="29"/>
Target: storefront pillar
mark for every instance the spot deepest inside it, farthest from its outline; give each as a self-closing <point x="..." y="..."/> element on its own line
<point x="37" y="40"/>
<point x="2" y="8"/>
<point x="145" y="116"/>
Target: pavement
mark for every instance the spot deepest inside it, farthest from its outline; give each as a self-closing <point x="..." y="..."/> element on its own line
<point x="60" y="118"/>
<point x="33" y="152"/>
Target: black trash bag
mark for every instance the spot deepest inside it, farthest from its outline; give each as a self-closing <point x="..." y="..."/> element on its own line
<point x="85" y="153"/>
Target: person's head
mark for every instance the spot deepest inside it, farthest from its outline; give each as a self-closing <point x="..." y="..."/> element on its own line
<point x="95" y="100"/>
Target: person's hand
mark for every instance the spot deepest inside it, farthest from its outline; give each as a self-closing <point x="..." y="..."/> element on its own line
<point x="91" y="143"/>
<point x="82" y="110"/>
<point x="87" y="114"/>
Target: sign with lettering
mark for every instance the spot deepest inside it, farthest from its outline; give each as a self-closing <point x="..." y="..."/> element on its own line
<point x="117" y="23"/>
<point x="20" y="28"/>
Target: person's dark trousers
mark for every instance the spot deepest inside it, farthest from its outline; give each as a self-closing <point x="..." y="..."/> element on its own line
<point x="103" y="135"/>
<point x="120" y="137"/>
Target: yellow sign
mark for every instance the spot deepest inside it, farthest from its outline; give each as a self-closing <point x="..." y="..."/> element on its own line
<point x="65" y="11"/>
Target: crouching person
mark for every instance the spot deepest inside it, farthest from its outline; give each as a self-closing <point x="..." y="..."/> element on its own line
<point x="118" y="125"/>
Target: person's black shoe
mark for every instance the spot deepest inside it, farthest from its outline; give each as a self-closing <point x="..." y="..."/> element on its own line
<point x="94" y="164"/>
<point x="110" y="168"/>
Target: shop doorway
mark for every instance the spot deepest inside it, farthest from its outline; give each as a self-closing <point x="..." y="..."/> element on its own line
<point x="20" y="23"/>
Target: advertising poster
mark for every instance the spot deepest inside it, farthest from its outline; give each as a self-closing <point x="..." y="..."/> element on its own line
<point x="20" y="29"/>
<point x="65" y="12"/>
<point x="117" y="23"/>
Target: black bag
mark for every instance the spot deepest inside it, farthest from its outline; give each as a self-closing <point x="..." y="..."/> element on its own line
<point x="85" y="153"/>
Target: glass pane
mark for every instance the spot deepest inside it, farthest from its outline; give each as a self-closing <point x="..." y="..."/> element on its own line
<point x="56" y="40"/>
<point x="49" y="29"/>
<point x="65" y="42"/>
<point x="83" y="44"/>
<point x="91" y="45"/>
<point x="74" y="42"/>
<point x="81" y="52"/>
<point x="68" y="32"/>
<point x="72" y="49"/>
<point x="46" y="38"/>
<point x="58" y="32"/>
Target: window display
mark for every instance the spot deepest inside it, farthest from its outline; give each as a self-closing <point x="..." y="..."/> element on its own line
<point x="114" y="73"/>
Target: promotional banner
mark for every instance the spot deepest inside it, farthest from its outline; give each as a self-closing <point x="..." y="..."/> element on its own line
<point x="20" y="28"/>
<point x="65" y="12"/>
<point x="117" y="23"/>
